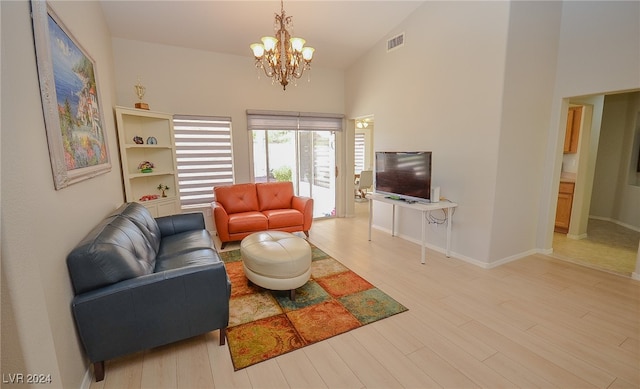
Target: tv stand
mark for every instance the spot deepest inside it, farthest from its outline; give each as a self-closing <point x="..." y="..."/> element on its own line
<point x="425" y="208"/>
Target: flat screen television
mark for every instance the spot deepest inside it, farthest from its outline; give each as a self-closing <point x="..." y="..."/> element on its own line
<point x="404" y="175"/>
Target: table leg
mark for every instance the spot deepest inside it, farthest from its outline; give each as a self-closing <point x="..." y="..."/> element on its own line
<point x="449" y="215"/>
<point x="393" y="220"/>
<point x="422" y="246"/>
<point x="370" y="216"/>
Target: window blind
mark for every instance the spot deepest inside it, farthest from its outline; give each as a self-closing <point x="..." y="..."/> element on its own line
<point x="284" y="120"/>
<point x="204" y="157"/>
<point x="359" y="152"/>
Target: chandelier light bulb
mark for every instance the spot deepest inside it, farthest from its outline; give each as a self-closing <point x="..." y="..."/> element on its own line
<point x="269" y="43"/>
<point x="258" y="50"/>
<point x="297" y="44"/>
<point x="307" y="53"/>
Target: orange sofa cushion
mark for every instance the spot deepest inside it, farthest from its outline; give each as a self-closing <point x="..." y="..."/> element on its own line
<point x="274" y="195"/>
<point x="237" y="198"/>
<point x="247" y="221"/>
<point x="280" y="218"/>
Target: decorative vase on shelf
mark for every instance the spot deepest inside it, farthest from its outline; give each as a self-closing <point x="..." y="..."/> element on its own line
<point x="146" y="167"/>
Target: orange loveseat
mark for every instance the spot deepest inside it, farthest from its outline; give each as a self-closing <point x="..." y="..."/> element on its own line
<point x="242" y="209"/>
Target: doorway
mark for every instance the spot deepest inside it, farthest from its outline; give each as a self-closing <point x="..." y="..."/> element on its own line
<point x="603" y="231"/>
<point x="363" y="158"/>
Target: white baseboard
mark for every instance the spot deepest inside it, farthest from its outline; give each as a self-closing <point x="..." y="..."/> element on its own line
<point x="513" y="258"/>
<point x="545" y="251"/>
<point x="86" y="380"/>
<point x="635" y="276"/>
<point x="618" y="222"/>
<point x="461" y="257"/>
<point x="577" y="237"/>
<point x="476" y="262"/>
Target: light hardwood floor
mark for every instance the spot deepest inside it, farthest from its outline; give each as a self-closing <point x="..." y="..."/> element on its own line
<point x="534" y="323"/>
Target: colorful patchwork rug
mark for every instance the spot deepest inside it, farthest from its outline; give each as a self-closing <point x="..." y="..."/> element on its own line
<point x="264" y="324"/>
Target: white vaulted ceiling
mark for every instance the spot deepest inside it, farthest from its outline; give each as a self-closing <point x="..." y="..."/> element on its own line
<point x="340" y="31"/>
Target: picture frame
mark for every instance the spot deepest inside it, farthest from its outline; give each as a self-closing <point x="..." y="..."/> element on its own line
<point x="73" y="115"/>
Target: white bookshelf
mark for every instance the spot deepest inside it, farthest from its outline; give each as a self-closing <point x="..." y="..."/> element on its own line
<point x="146" y="124"/>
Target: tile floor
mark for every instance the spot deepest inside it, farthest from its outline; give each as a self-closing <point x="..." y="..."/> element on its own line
<point x="608" y="246"/>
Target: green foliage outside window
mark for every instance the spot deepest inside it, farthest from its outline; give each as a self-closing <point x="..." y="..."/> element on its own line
<point x="283" y="173"/>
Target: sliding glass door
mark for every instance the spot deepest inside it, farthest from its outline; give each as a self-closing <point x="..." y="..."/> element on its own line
<point x="306" y="158"/>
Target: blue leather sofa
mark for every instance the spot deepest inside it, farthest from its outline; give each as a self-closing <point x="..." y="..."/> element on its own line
<point x="141" y="282"/>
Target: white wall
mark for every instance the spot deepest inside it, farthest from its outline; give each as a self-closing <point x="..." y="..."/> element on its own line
<point x="481" y="84"/>
<point x="599" y="53"/>
<point x="444" y="94"/>
<point x="585" y="162"/>
<point x="187" y="81"/>
<point x="39" y="224"/>
<point x="529" y="78"/>
<point x="427" y="96"/>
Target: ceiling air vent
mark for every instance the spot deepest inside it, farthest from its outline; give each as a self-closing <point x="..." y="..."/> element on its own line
<point x="395" y="42"/>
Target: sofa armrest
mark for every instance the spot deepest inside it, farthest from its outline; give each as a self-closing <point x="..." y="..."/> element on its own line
<point x="304" y="205"/>
<point x="221" y="221"/>
<point x="175" y="224"/>
<point x="152" y="310"/>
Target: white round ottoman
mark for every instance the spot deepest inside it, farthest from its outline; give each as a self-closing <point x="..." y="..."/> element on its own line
<point x="276" y="260"/>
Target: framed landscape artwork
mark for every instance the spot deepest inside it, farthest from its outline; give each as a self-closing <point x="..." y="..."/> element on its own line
<point x="73" y="115"/>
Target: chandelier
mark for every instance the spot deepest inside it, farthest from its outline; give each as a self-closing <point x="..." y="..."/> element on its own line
<point x="282" y="57"/>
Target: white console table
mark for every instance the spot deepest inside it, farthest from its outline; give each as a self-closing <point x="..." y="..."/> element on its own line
<point x="425" y="208"/>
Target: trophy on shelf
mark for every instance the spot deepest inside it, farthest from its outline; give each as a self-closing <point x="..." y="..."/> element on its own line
<point x="140" y="89"/>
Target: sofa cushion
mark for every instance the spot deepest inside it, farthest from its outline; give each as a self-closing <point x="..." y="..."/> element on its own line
<point x="247" y="222"/>
<point x="141" y="216"/>
<point x="184" y="242"/>
<point x="280" y="218"/>
<point x="237" y="198"/>
<point x="274" y="195"/>
<point x="115" y="250"/>
<point x="189" y="258"/>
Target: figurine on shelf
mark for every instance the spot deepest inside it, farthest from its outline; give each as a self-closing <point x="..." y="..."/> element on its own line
<point x="138" y="140"/>
<point x="152" y="140"/>
<point x="163" y="188"/>
<point x="140" y="90"/>
<point x="146" y="167"/>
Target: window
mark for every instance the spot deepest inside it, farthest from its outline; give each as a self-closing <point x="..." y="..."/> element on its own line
<point x="204" y="157"/>
<point x="297" y="147"/>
